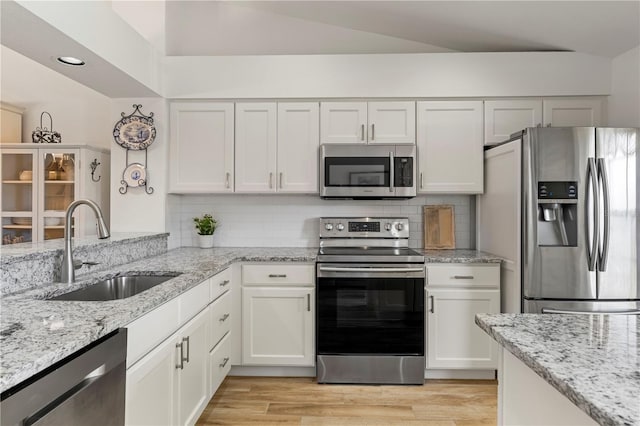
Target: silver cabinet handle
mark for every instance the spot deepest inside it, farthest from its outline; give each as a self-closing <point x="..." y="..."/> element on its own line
<point x="281" y="180"/>
<point x="373" y="131"/>
<point x="362" y="132"/>
<point x="186" y="339"/>
<point x="462" y="277"/>
<point x="391" y="176"/>
<point x="421" y="181"/>
<point x="181" y="356"/>
<point x="592" y="182"/>
<point x="270" y="180"/>
<point x="433" y="305"/>
<point x="277" y="275"/>
<point x="612" y="312"/>
<point x="224" y="317"/>
<point x="226" y="181"/>
<point x="224" y="283"/>
<point x="224" y="362"/>
<point x="603" y="179"/>
<point x="308" y="303"/>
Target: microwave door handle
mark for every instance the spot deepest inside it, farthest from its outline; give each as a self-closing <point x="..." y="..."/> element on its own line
<point x="391" y="172"/>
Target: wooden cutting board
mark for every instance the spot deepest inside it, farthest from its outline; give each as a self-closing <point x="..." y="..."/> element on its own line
<point x="439" y="227"/>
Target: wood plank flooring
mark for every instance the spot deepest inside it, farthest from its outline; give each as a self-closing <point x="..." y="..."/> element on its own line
<point x="301" y="401"/>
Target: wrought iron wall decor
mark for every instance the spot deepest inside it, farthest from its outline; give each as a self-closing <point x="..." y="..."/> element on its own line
<point x="94" y="165"/>
<point x="44" y="135"/>
<point x="135" y="132"/>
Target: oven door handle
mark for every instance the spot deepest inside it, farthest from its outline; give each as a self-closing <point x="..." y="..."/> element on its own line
<point x="340" y="269"/>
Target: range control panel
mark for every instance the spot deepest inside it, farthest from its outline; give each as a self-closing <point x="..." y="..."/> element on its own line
<point x="364" y="227"/>
<point x="558" y="190"/>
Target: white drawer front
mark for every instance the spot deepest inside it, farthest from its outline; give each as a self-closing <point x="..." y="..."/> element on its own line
<point x="219" y="283"/>
<point x="193" y="301"/>
<point x="220" y="318"/>
<point x="464" y="275"/>
<point x="219" y="363"/>
<point x="277" y="274"/>
<point x="151" y="329"/>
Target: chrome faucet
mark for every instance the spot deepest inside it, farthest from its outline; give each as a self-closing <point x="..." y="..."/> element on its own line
<point x="68" y="273"/>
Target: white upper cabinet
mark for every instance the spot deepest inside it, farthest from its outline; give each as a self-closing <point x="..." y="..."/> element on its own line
<point x="201" y="147"/>
<point x="392" y="122"/>
<point x="361" y="122"/>
<point x="298" y="140"/>
<point x="506" y="116"/>
<point x="572" y="112"/>
<point x="343" y="122"/>
<point x="450" y="147"/>
<point x="256" y="136"/>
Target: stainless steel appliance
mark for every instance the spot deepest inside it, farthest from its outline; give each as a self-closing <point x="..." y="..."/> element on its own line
<point x="579" y="217"/>
<point x="367" y="171"/>
<point x="86" y="388"/>
<point x="370" y="303"/>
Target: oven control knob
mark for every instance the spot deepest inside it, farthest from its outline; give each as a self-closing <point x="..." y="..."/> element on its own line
<point x="328" y="226"/>
<point x="399" y="226"/>
<point x="340" y="227"/>
<point x="388" y="226"/>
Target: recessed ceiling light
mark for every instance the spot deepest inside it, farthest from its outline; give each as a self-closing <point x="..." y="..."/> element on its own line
<point x="70" y="60"/>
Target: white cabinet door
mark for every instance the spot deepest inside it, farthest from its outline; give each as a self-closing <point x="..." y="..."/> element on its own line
<point x="453" y="338"/>
<point x="506" y="116"/>
<point x="343" y="122"/>
<point x="151" y="397"/>
<point x="193" y="377"/>
<point x="392" y="122"/>
<point x="277" y="326"/>
<point x="256" y="132"/>
<point x="572" y="112"/>
<point x="201" y="147"/>
<point x="298" y="140"/>
<point x="450" y="147"/>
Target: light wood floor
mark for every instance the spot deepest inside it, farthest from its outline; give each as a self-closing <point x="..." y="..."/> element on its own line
<point x="301" y="401"/>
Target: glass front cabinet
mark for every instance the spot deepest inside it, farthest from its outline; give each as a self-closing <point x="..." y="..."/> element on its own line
<point x="38" y="184"/>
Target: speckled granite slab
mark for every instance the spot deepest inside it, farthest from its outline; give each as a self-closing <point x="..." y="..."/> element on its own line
<point x="29" y="265"/>
<point x="459" y="256"/>
<point x="594" y="360"/>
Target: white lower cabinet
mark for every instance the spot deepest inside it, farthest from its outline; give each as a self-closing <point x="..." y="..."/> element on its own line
<point x="455" y="294"/>
<point x="278" y="315"/>
<point x="219" y="363"/>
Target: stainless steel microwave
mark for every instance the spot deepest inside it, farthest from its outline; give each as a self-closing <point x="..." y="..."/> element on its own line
<point x="367" y="171"/>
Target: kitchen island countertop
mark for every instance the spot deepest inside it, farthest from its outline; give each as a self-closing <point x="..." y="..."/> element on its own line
<point x="593" y="360"/>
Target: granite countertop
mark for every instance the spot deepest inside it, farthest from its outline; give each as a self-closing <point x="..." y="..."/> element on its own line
<point x="35" y="333"/>
<point x="594" y="360"/>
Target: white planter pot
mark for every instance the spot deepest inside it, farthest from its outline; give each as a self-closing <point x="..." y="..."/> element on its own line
<point x="205" y="241"/>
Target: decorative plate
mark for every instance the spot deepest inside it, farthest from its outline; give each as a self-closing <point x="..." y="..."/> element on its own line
<point x="135" y="175"/>
<point x="134" y="132"/>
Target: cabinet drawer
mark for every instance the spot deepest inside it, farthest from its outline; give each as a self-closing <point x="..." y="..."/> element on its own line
<point x="193" y="301"/>
<point x="276" y="274"/>
<point x="219" y="283"/>
<point x="464" y="275"/>
<point x="219" y="363"/>
<point x="220" y="317"/>
<point x="151" y="329"/>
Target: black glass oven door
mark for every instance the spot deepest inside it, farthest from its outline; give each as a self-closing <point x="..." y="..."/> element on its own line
<point x="357" y="172"/>
<point x="375" y="316"/>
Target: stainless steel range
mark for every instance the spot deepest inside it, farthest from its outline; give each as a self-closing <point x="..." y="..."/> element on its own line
<point x="370" y="302"/>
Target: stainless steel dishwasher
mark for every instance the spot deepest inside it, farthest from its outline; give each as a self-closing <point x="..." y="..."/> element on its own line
<point x="86" y="388"/>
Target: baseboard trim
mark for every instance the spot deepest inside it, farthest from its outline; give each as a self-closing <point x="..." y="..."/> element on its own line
<point x="461" y="374"/>
<point x="275" y="371"/>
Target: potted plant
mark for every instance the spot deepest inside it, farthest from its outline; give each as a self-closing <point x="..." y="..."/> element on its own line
<point x="205" y="226"/>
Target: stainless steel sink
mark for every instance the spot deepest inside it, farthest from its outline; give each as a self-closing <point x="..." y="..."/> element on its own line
<point x="115" y="288"/>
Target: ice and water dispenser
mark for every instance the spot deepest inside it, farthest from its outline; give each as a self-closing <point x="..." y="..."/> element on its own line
<point x="557" y="213"/>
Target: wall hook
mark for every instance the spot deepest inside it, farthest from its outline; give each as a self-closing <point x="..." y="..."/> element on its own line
<point x="94" y="165"/>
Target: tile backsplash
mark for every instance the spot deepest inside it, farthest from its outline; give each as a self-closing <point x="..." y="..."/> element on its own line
<point x="292" y="220"/>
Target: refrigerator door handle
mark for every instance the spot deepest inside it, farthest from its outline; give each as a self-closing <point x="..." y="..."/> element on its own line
<point x="603" y="180"/>
<point x="566" y="311"/>
<point x="592" y="210"/>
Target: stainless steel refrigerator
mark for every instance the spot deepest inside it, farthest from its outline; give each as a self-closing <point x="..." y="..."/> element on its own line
<point x="578" y="218"/>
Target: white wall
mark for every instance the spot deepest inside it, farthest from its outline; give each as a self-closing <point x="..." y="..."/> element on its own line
<point x="624" y="102"/>
<point x="137" y="211"/>
<point x="399" y="75"/>
<point x="80" y="114"/>
<point x="292" y="220"/>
